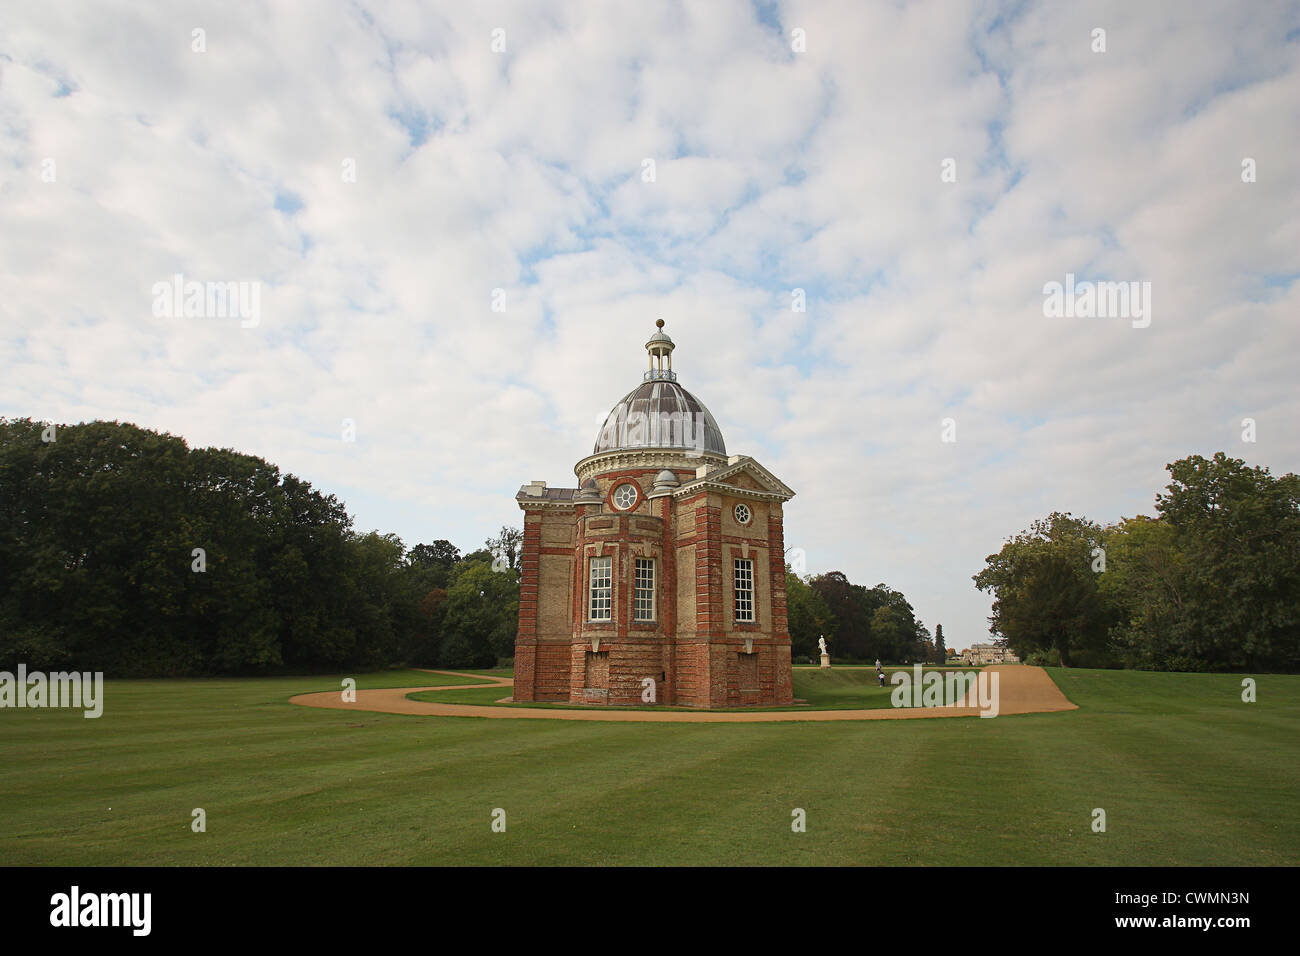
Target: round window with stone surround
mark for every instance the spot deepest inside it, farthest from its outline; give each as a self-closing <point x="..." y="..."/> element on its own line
<point x="742" y="514"/>
<point x="625" y="496"/>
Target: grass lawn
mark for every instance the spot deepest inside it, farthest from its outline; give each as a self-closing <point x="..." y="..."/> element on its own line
<point x="1186" y="773"/>
<point x="413" y="679"/>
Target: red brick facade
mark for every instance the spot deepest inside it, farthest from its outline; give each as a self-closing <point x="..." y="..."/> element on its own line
<point x="693" y="651"/>
<point x="659" y="488"/>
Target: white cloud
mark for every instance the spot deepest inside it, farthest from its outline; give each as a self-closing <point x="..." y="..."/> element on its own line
<point x="521" y="171"/>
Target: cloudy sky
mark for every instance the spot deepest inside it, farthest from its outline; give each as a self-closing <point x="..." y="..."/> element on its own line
<point x="919" y="170"/>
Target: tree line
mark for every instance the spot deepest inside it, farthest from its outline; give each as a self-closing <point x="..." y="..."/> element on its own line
<point x="1211" y="583"/>
<point x="124" y="550"/>
<point x="860" y="624"/>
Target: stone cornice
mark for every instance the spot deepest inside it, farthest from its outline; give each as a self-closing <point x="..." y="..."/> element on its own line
<point x="527" y="503"/>
<point x="625" y="459"/>
<point x="707" y="484"/>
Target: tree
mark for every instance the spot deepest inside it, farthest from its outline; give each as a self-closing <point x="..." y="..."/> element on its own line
<point x="1045" y="593"/>
<point x="903" y="639"/>
<point x="1146" y="581"/>
<point x="923" y="646"/>
<point x="441" y="553"/>
<point x="482" y="615"/>
<point x="1239" y="530"/>
<point x="1213" y="583"/>
<point x="940" y="649"/>
<point x="123" y="550"/>
<point x="809" y="616"/>
<point x="847" y="605"/>
<point x="432" y="564"/>
<point x="894" y="634"/>
<point x="853" y="616"/>
<point x="428" y="572"/>
<point x="506" y="546"/>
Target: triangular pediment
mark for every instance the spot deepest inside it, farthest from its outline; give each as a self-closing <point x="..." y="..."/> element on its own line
<point x="741" y="476"/>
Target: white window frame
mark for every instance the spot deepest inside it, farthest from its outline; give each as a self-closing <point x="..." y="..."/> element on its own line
<point x="643" y="595"/>
<point x="742" y="586"/>
<point x="749" y="513"/>
<point x="636" y="496"/>
<point x="600" y="588"/>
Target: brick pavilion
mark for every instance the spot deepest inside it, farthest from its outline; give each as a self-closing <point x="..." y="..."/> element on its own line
<point x="661" y="577"/>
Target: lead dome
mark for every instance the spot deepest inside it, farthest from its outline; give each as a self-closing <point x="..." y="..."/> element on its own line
<point x="659" y="413"/>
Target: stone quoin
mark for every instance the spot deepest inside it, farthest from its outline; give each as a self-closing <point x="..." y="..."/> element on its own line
<point x="660" y="579"/>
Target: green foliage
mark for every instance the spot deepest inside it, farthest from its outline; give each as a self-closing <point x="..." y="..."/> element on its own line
<point x="1145" y="581"/>
<point x="1239" y="532"/>
<point x="1045" y="593"/>
<point x="1212" y="583"/>
<point x="890" y="628"/>
<point x="481" y="616"/>
<point x="123" y="550"/>
<point x="809" y="616"/>
<point x="860" y="623"/>
<point x="506" y="547"/>
<point x="922" y="645"/>
<point x="442" y="553"/>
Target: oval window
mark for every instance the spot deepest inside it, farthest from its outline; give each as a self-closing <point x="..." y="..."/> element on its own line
<point x="742" y="514"/>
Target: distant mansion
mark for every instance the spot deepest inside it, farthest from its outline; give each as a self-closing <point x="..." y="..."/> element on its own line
<point x="660" y="579"/>
<point x="989" y="654"/>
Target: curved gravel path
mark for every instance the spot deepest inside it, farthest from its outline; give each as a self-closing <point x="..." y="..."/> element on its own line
<point x="1022" y="689"/>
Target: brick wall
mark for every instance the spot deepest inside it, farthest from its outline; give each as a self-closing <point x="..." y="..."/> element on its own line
<point x="526" y="635"/>
<point x="552" y="673"/>
<point x="692" y="674"/>
<point x="693" y="650"/>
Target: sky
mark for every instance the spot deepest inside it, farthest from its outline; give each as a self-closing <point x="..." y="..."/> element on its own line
<point x="460" y="222"/>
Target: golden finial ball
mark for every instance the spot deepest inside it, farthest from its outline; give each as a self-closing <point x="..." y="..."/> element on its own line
<point x="659" y="323"/>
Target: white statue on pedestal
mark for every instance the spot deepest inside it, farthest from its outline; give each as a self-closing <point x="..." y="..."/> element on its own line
<point x="826" y="657"/>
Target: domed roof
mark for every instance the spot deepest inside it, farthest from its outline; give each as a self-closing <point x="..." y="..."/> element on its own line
<point x="659" y="413"/>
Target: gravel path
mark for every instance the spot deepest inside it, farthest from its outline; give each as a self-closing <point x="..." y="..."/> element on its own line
<point x="1021" y="690"/>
